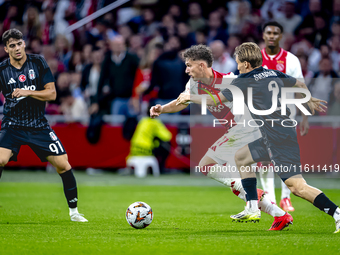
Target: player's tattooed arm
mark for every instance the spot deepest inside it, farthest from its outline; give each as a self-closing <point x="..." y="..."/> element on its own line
<point x="212" y="100"/>
<point x="47" y="94"/>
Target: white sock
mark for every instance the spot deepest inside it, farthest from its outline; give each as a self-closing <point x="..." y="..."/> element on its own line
<point x="285" y="191"/>
<point x="267" y="182"/>
<point x="73" y="210"/>
<point x="237" y="189"/>
<point x="267" y="206"/>
<point x="252" y="205"/>
<point x="336" y="214"/>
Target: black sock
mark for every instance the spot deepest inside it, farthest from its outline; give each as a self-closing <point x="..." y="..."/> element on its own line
<point x="1" y="169"/>
<point x="70" y="188"/>
<point x="249" y="185"/>
<point x="324" y="204"/>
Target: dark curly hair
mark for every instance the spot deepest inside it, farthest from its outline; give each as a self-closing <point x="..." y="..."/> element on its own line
<point x="11" y="33"/>
<point x="274" y="24"/>
<point x="199" y="52"/>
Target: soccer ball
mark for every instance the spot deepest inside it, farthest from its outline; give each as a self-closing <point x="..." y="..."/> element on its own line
<point x="139" y="215"/>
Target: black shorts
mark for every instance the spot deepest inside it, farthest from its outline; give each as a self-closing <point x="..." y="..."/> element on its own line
<point x="285" y="156"/>
<point x="43" y="142"/>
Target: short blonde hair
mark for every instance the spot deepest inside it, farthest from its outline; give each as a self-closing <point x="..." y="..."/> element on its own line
<point x="249" y="52"/>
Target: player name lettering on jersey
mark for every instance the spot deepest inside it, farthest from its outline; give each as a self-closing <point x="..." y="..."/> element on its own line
<point x="264" y="75"/>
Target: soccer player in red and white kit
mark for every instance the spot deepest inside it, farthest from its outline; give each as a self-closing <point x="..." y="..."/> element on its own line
<point x="276" y="58"/>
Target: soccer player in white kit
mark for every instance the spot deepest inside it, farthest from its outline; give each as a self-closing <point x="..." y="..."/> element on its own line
<point x="276" y="58"/>
<point x="198" y="60"/>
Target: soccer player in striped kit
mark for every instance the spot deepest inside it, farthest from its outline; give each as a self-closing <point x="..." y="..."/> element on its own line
<point x="27" y="83"/>
<point x="276" y="58"/>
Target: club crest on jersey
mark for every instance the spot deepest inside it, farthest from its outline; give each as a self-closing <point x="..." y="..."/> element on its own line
<point x="53" y="136"/>
<point x="31" y="74"/>
<point x="22" y="78"/>
<point x="280" y="67"/>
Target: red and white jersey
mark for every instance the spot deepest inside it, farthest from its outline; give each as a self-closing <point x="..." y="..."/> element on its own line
<point x="287" y="63"/>
<point x="237" y="126"/>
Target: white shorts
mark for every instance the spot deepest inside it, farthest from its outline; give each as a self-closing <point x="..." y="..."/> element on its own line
<point x="224" y="149"/>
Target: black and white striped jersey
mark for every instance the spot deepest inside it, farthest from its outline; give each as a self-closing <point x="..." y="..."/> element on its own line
<point x="25" y="112"/>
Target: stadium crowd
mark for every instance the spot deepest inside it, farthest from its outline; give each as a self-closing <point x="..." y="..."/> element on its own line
<point x="129" y="56"/>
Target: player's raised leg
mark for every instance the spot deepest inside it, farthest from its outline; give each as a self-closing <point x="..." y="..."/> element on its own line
<point x="5" y="155"/>
<point x="300" y="188"/>
<point x="64" y="169"/>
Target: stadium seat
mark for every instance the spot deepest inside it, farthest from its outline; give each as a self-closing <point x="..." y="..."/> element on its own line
<point x="141" y="165"/>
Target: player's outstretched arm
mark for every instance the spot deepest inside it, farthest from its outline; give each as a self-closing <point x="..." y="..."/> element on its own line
<point x="213" y="100"/>
<point x="171" y="107"/>
<point x="47" y="94"/>
<point x="314" y="104"/>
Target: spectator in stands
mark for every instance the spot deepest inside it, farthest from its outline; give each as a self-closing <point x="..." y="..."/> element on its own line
<point x="334" y="109"/>
<point x="335" y="52"/>
<point x="289" y="18"/>
<point x="168" y="74"/>
<point x="125" y="31"/>
<point x="36" y="45"/>
<point x="201" y="36"/>
<point x="73" y="108"/>
<point x="136" y="45"/>
<point x="336" y="12"/>
<point x="116" y="78"/>
<point x="32" y="26"/>
<point x="101" y="31"/>
<point x="216" y="31"/>
<point x="323" y="81"/>
<point x="63" y="50"/>
<point x="167" y="27"/>
<point x="86" y="54"/>
<point x="176" y="13"/>
<point x="75" y="64"/>
<point x="305" y="46"/>
<point x="243" y="16"/>
<point x="223" y="62"/>
<point x="143" y="78"/>
<point x="90" y="76"/>
<point x="233" y="42"/>
<point x="195" y="21"/>
<point x="186" y="38"/>
<point x="53" y="64"/>
<point x="149" y="27"/>
<point x="307" y="74"/>
<point x="75" y="79"/>
<point x="10" y="20"/>
<point x="314" y="26"/>
<point x="52" y="28"/>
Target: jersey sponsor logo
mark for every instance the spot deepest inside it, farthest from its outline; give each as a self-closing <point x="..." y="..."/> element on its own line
<point x="11" y="81"/>
<point x="53" y="136"/>
<point x="22" y="78"/>
<point x="31" y="74"/>
<point x="32" y="87"/>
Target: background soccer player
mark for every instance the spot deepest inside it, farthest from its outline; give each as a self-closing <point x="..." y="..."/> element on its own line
<point x="276" y="58"/>
<point x="27" y="83"/>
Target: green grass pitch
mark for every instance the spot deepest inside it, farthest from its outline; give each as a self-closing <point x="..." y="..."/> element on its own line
<point x="191" y="216"/>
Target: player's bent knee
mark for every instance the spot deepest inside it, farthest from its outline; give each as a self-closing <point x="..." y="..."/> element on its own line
<point x="3" y="161"/>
